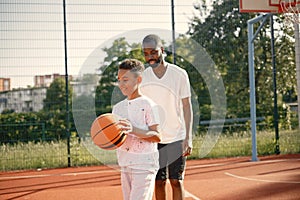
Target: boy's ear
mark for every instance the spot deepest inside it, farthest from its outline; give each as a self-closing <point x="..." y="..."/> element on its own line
<point x="139" y="79"/>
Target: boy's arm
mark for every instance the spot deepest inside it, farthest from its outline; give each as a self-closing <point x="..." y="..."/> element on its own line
<point x="150" y="135"/>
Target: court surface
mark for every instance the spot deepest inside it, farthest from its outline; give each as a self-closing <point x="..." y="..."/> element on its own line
<point x="272" y="177"/>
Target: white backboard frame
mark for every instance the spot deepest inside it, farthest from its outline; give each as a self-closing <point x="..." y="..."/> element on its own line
<point x="264" y="6"/>
<point x="269" y="6"/>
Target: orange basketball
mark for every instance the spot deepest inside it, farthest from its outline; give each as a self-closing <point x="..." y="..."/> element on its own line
<point x="105" y="132"/>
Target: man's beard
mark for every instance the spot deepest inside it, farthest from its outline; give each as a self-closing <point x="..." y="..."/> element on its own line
<point x="156" y="64"/>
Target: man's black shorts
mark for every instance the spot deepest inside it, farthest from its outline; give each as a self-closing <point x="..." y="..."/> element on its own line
<point x="171" y="161"/>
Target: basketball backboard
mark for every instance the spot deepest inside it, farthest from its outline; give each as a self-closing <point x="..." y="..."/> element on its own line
<point x="268" y="6"/>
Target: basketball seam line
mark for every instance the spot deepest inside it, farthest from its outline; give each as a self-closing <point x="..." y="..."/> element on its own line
<point x="103" y="129"/>
<point x="122" y="135"/>
<point x="118" y="135"/>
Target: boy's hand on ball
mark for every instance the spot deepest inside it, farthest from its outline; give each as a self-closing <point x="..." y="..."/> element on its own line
<point x="125" y="125"/>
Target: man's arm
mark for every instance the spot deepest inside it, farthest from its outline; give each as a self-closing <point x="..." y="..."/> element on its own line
<point x="188" y="118"/>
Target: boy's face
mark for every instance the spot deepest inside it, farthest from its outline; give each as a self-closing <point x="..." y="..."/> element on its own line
<point x="128" y="82"/>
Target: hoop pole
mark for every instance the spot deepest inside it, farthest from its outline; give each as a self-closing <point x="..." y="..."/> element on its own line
<point x="251" y="37"/>
<point x="252" y="90"/>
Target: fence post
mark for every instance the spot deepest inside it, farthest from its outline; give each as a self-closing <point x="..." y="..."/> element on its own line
<point x="67" y="88"/>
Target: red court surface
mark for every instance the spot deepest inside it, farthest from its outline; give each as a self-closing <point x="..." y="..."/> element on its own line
<point x="273" y="177"/>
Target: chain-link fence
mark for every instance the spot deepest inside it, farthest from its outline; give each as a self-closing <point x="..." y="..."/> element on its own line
<point x="38" y="130"/>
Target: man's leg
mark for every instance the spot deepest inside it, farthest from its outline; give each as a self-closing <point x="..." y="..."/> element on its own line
<point x="160" y="190"/>
<point x="176" y="169"/>
<point x="178" y="189"/>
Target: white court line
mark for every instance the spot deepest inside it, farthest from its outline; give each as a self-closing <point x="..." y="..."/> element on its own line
<point x="241" y="163"/>
<point x="106" y="171"/>
<point x="260" y="180"/>
<point x="207" y="165"/>
<point x="187" y="194"/>
<point x="63" y="174"/>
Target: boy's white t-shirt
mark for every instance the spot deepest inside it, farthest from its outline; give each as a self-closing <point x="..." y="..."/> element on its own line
<point x="137" y="153"/>
<point x="168" y="92"/>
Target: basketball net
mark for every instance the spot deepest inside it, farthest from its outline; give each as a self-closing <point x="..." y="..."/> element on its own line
<point x="290" y="9"/>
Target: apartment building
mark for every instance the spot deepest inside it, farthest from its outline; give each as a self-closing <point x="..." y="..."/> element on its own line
<point x="4" y="84"/>
<point x="23" y="100"/>
<point x="31" y="99"/>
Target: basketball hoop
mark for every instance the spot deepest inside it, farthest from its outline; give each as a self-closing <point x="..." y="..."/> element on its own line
<point x="290" y="9"/>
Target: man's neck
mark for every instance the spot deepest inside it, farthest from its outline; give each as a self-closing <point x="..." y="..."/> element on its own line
<point x="160" y="70"/>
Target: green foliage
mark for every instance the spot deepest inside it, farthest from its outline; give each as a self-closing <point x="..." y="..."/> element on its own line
<point x="224" y="35"/>
<point x="48" y="124"/>
<point x="16" y="127"/>
<point x="8" y="111"/>
<point x="56" y="95"/>
<point x="185" y="53"/>
<point x="240" y="144"/>
<point x="55" y="109"/>
<point x="107" y="93"/>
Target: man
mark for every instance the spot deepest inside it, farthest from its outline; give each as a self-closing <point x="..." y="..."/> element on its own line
<point x="168" y="86"/>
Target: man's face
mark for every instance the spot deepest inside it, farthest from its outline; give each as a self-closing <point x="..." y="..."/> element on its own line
<point x="153" y="54"/>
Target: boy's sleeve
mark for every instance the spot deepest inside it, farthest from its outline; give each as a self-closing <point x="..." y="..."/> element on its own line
<point x="152" y="116"/>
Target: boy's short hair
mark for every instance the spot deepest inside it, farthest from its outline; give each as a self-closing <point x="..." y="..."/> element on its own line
<point x="133" y="65"/>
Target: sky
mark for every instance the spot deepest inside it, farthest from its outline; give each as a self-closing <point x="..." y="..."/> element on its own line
<point x="32" y="37"/>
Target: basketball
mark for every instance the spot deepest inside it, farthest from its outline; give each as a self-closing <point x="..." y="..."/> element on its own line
<point x="105" y="132"/>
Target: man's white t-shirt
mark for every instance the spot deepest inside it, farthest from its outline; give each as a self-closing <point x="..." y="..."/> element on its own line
<point x="135" y="152"/>
<point x="168" y="92"/>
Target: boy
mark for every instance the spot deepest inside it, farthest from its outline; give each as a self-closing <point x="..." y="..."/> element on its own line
<point x="138" y="156"/>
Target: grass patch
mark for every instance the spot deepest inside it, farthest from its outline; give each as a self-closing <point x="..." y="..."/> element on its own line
<point x="32" y="155"/>
<point x="240" y="144"/>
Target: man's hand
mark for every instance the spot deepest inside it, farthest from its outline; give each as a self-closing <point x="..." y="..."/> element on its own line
<point x="187" y="150"/>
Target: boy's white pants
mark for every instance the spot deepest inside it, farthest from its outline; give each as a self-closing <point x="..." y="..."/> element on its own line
<point x="137" y="184"/>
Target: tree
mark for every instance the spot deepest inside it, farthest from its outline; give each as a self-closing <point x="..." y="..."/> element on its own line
<point x="223" y="33"/>
<point x="55" y="108"/>
<point x="56" y="95"/>
<point x="107" y="93"/>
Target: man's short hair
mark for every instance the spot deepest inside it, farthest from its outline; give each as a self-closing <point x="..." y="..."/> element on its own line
<point x="153" y="38"/>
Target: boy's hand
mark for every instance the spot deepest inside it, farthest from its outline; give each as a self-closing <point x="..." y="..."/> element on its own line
<point x="125" y="125"/>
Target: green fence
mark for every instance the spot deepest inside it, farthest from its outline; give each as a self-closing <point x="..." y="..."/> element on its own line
<point x="34" y="132"/>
